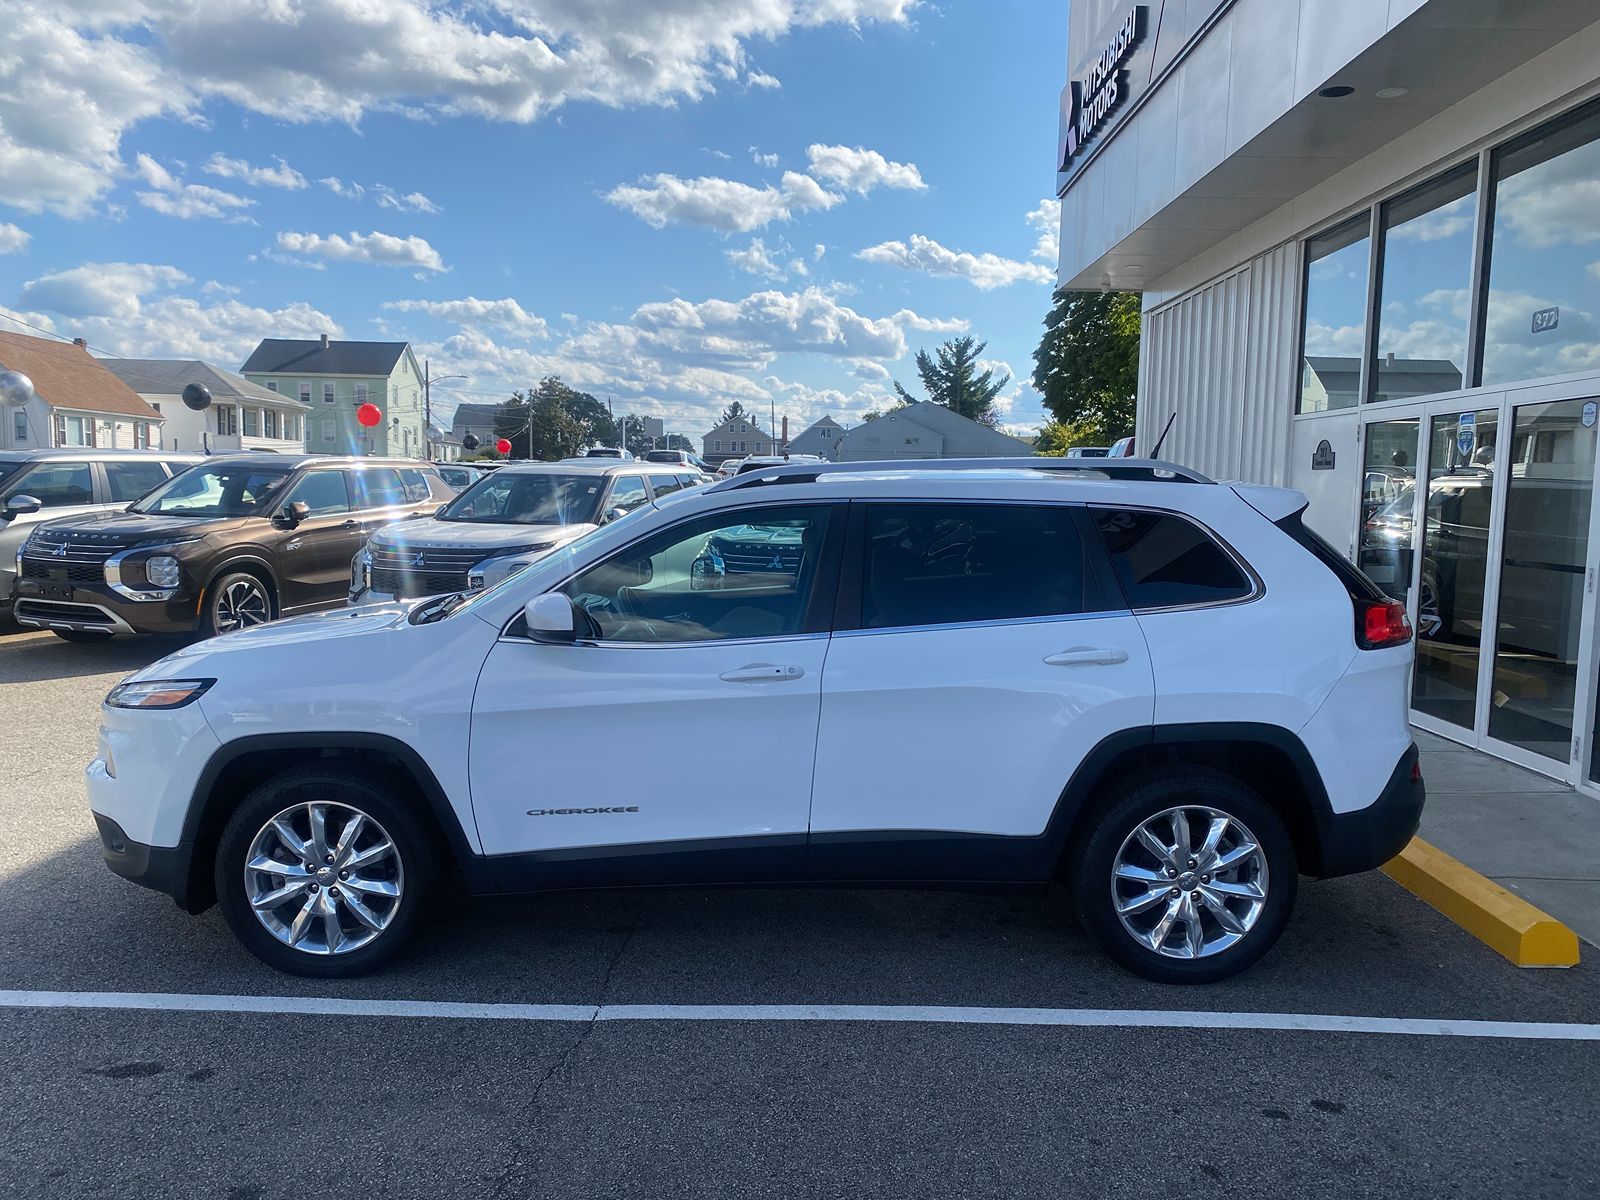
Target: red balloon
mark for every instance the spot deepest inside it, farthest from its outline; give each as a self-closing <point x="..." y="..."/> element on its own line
<point x="503" y="446"/>
<point x="369" y="415"/>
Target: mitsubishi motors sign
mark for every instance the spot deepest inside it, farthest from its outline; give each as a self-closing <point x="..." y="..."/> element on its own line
<point x="1103" y="87"/>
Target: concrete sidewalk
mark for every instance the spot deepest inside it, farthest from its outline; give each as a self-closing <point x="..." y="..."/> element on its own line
<point x="1533" y="836"/>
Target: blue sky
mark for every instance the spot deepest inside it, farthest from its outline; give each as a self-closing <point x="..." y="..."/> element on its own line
<point x="675" y="203"/>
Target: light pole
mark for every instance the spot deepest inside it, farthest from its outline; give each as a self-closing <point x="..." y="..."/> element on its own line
<point x="428" y="380"/>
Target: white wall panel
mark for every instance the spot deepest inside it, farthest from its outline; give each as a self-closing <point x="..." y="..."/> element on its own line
<point x="1222" y="358"/>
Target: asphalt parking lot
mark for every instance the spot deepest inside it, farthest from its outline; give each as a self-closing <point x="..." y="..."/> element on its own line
<point x="447" y="1098"/>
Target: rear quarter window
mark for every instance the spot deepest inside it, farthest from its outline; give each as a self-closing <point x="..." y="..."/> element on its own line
<point x="1162" y="560"/>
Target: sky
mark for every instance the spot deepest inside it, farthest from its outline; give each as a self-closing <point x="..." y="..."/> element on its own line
<point x="671" y="204"/>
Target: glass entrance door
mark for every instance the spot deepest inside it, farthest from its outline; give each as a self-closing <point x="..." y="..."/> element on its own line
<point x="1453" y="575"/>
<point x="1541" y="621"/>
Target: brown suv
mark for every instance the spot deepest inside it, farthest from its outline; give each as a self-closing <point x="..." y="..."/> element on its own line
<point x="234" y="541"/>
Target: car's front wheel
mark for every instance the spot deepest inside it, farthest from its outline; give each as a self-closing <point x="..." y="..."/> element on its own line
<point x="323" y="870"/>
<point x="237" y="600"/>
<point x="1188" y="876"/>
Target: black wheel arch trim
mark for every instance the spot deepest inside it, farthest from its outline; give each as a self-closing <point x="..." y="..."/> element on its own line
<point x="235" y="561"/>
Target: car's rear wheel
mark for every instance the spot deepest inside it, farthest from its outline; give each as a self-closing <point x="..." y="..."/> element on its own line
<point x="237" y="600"/>
<point x="323" y="870"/>
<point x="84" y="636"/>
<point x="1187" y="876"/>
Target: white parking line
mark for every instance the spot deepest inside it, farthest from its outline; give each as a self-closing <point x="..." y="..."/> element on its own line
<point x="1106" y="1018"/>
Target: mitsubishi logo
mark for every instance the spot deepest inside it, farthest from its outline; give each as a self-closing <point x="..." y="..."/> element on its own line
<point x="776" y="564"/>
<point x="60" y="551"/>
<point x="417" y="558"/>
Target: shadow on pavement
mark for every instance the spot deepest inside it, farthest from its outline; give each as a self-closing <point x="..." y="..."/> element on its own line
<point x="32" y="655"/>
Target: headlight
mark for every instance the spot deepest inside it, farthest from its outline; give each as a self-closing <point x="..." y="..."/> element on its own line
<point x="493" y="571"/>
<point x="158" y="693"/>
<point x="162" y="571"/>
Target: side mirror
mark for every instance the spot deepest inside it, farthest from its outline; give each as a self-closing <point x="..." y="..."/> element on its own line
<point x="613" y="513"/>
<point x="291" y="515"/>
<point x="551" y="619"/>
<point x="20" y="506"/>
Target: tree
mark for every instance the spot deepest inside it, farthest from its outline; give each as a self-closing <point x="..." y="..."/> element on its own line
<point x="733" y="412"/>
<point x="1087" y="365"/>
<point x="953" y="380"/>
<point x="552" y="421"/>
<point x="511" y="421"/>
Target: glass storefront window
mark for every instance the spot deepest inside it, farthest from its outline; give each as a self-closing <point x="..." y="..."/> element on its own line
<point x="1424" y="288"/>
<point x="1333" y="330"/>
<point x="1388" y="492"/>
<point x="1455" y="564"/>
<point x="1542" y="315"/>
<point x="1547" y="465"/>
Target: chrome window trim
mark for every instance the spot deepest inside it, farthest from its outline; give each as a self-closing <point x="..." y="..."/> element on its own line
<point x="605" y="644"/>
<point x="1258" y="585"/>
<point x="999" y="622"/>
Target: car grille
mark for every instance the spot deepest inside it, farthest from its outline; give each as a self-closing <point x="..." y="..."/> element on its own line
<point x="750" y="558"/>
<point x="75" y="560"/>
<point x="54" y="610"/>
<point x="390" y="582"/>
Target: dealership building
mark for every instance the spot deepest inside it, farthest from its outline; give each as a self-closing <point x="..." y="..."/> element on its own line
<point x="1367" y="234"/>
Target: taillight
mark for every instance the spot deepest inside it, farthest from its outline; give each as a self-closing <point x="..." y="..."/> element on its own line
<point x="1381" y="623"/>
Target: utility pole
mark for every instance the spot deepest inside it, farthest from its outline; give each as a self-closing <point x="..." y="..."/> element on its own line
<point x="428" y="380"/>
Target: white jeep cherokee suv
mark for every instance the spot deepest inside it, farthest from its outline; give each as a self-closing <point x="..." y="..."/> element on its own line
<point x="1164" y="693"/>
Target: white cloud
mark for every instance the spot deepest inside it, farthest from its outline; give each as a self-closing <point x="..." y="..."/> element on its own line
<point x="722" y="204"/>
<point x="110" y="289"/>
<point x="872" y="372"/>
<point x="762" y="159"/>
<point x="504" y="314"/>
<point x="410" y="202"/>
<point x="187" y="201"/>
<point x="280" y="176"/>
<point x="350" y="191"/>
<point x="1047" y="220"/>
<point x="818" y="251"/>
<point x="74" y="79"/>
<point x="860" y="170"/>
<point x="760" y="79"/>
<point x="1450" y="220"/>
<point x="380" y="249"/>
<point x="13" y="238"/>
<point x="757" y="259"/>
<point x="983" y="271"/>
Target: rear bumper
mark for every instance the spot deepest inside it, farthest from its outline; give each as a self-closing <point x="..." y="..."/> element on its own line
<point x="1368" y="837"/>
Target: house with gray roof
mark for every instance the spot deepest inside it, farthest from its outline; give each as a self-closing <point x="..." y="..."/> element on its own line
<point x="927" y="430"/>
<point x="242" y="415"/>
<point x="822" y="439"/>
<point x="335" y="378"/>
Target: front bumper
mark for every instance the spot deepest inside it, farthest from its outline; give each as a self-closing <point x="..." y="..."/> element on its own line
<point x="53" y="605"/>
<point x="1351" y="842"/>
<point x="161" y="868"/>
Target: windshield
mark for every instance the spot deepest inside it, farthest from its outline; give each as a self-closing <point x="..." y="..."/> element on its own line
<point x="216" y="490"/>
<point x="7" y="470"/>
<point x="531" y="499"/>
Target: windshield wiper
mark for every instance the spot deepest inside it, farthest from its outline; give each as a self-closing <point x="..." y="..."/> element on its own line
<point x="438" y="608"/>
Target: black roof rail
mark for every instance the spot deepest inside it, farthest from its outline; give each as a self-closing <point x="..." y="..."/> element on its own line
<point x="1148" y="469"/>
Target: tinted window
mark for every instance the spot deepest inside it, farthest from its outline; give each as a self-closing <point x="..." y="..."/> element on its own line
<point x="665" y="485"/>
<point x="937" y="564"/>
<point x="415" y="484"/>
<point x="54" y="485"/>
<point x="627" y="493"/>
<point x="218" y="489"/>
<point x="378" y="487"/>
<point x="130" y="480"/>
<point x="322" y="492"/>
<point x="727" y="576"/>
<point x="1163" y="560"/>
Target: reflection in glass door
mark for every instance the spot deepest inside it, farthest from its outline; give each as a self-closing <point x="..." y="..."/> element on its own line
<point x="1455" y="560"/>
<point x="1547" y="465"/>
<point x="1388" y="496"/>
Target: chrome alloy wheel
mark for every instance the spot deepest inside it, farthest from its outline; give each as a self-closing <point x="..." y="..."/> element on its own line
<point x="320" y="891"/>
<point x="240" y="604"/>
<point x="1189" y="882"/>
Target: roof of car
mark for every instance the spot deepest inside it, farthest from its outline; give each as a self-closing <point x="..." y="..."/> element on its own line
<point x="597" y="466"/>
<point x="295" y="461"/>
<point x="92" y="454"/>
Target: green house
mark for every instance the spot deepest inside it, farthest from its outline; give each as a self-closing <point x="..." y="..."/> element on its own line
<point x="337" y="378"/>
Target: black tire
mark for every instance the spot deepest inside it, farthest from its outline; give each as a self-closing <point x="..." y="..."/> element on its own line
<point x="1094" y="891"/>
<point x="82" y="636"/>
<point x="380" y="797"/>
<point x="223" y="591"/>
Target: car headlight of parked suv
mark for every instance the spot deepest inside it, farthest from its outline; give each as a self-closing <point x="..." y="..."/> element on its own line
<point x="502" y="566"/>
<point x="158" y="693"/>
<point x="148" y="573"/>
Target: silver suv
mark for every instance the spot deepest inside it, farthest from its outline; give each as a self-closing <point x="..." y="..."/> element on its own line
<point x="40" y="485"/>
<point x="503" y="522"/>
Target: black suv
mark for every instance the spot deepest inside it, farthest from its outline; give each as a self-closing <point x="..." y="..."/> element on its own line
<point x="232" y="542"/>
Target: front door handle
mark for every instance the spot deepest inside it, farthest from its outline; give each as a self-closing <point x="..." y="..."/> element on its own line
<point x="1086" y="656"/>
<point x="762" y="673"/>
<point x="352" y="524"/>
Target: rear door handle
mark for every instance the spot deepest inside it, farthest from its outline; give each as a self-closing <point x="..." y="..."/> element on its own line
<point x="762" y="673"/>
<point x="352" y="524"/>
<point x="1086" y="656"/>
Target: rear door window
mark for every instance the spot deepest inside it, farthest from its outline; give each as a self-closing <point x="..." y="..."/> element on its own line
<point x="130" y="480"/>
<point x="665" y="485"/>
<point x="53" y="484"/>
<point x="627" y="493"/>
<point x="943" y="564"/>
<point x="378" y="487"/>
<point x="1162" y="560"/>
